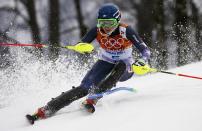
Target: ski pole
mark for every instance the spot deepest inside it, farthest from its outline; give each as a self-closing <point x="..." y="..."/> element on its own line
<point x="80" y="47"/>
<point x="32" y="45"/>
<point x="19" y="44"/>
<point x="172" y="73"/>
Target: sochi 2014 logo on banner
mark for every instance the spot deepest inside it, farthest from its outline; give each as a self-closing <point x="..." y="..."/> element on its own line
<point x="112" y="43"/>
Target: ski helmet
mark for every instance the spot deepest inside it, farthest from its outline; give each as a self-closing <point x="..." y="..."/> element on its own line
<point x="108" y="19"/>
<point x="109" y="11"/>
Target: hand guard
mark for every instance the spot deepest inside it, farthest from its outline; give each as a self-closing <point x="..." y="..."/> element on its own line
<point x="140" y="67"/>
<point x="81" y="48"/>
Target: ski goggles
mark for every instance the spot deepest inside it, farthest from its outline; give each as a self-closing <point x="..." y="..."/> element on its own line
<point x="107" y="23"/>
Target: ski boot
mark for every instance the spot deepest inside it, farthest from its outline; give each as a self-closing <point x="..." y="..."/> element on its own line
<point x="89" y="105"/>
<point x="41" y="113"/>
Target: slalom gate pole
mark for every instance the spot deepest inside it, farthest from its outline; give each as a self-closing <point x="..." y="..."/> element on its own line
<point x="171" y="73"/>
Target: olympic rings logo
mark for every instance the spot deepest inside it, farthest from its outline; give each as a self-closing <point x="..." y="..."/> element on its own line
<point x="112" y="43"/>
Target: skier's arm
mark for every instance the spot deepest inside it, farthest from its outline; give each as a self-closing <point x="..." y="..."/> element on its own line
<point x="90" y="35"/>
<point x="138" y="43"/>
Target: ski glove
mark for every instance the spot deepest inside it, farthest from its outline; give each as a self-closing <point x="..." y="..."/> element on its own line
<point x="81" y="48"/>
<point x="140" y="67"/>
<point x="140" y="62"/>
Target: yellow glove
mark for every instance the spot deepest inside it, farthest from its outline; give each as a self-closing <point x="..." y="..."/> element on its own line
<point x="140" y="67"/>
<point x="81" y="48"/>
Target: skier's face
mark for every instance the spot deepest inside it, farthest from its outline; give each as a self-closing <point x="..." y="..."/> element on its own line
<point x="108" y="30"/>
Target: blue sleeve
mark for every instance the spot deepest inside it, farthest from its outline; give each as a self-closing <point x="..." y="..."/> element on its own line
<point x="138" y="43"/>
<point x="90" y="35"/>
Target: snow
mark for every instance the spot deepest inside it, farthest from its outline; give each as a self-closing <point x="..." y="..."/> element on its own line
<point x="162" y="103"/>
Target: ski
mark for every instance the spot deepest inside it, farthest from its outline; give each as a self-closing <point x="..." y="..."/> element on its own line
<point x="99" y="95"/>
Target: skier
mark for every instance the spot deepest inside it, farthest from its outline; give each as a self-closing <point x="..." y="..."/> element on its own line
<point x="115" y="61"/>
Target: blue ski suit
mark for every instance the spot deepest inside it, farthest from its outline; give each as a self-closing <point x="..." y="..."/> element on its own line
<point x="114" y="48"/>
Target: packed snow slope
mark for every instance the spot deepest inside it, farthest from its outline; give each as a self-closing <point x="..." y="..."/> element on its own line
<point x="162" y="103"/>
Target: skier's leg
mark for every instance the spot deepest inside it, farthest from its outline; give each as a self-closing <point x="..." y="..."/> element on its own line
<point x="98" y="72"/>
<point x="106" y="84"/>
<point x="113" y="78"/>
<point x="66" y="98"/>
<point x="97" y="75"/>
<point x="57" y="103"/>
<point x="100" y="76"/>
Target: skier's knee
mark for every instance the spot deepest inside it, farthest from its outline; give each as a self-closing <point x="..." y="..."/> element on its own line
<point x="86" y="85"/>
<point x="126" y="76"/>
<point x="121" y="65"/>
